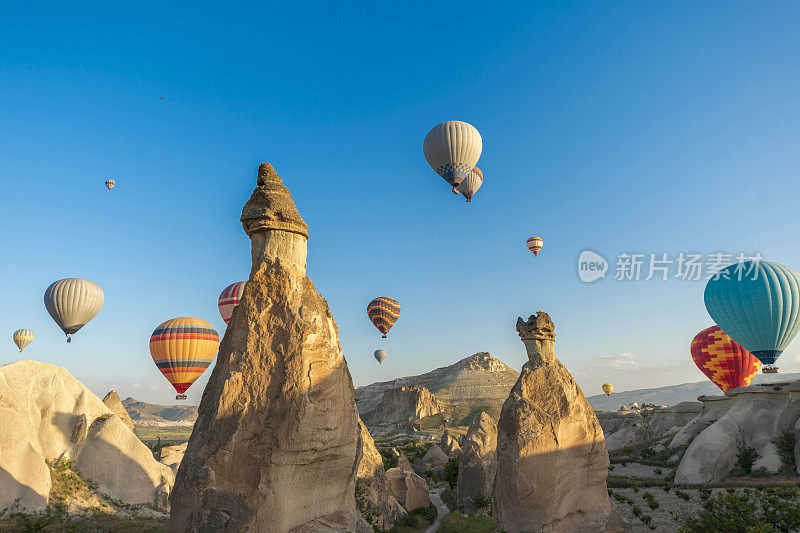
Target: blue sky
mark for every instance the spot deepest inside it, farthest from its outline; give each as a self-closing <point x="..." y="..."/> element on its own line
<point x="619" y="127"/>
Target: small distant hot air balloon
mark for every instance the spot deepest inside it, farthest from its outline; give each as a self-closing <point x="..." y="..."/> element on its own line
<point x="229" y="299"/>
<point x="471" y="183"/>
<point x="452" y="148"/>
<point x="535" y="244"/>
<point x="182" y="348"/>
<point x="757" y="303"/>
<point x="723" y="360"/>
<point x="22" y="338"/>
<point x="608" y="388"/>
<point x="73" y="302"/>
<point x="110" y="184"/>
<point x="383" y="312"/>
<point x="380" y="355"/>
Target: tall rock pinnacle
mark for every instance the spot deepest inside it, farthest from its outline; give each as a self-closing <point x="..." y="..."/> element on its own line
<point x="276" y="444"/>
<point x="552" y="460"/>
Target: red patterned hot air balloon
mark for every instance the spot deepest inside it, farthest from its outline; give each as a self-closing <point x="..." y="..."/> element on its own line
<point x="383" y="312"/>
<point x="229" y="299"/>
<point x="722" y="360"/>
<point x="535" y="244"/>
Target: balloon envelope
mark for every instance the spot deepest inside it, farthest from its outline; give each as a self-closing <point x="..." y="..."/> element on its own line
<point x="110" y="184"/>
<point x="723" y="360"/>
<point x="383" y="312"/>
<point x="471" y="183"/>
<point x="452" y="148"/>
<point x="608" y="388"/>
<point x="229" y="299"/>
<point x="182" y="348"/>
<point x="22" y="338"/>
<point x="73" y="302"/>
<point x="535" y="244"/>
<point x="758" y="305"/>
<point x="380" y="355"/>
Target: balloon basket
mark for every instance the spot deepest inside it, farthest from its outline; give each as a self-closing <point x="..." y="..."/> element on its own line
<point x="770" y="369"/>
<point x="180" y="397"/>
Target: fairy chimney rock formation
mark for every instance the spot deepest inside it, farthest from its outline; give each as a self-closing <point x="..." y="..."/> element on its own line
<point x="113" y="402"/>
<point x="276" y="445"/>
<point x="478" y="464"/>
<point x="552" y="461"/>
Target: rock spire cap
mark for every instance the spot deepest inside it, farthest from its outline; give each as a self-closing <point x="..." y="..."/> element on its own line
<point x="271" y="207"/>
<point x="538" y="326"/>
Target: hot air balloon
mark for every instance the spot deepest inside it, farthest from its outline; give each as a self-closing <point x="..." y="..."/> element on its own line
<point x="383" y="312"/>
<point x="608" y="388"/>
<point x="73" y="302"/>
<point x="452" y="148"/>
<point x="757" y="303"/>
<point x="182" y="349"/>
<point x="110" y="184"/>
<point x="229" y="299"/>
<point x="723" y="360"/>
<point x="22" y="338"/>
<point x="471" y="183"/>
<point x="535" y="244"/>
<point x="380" y="355"/>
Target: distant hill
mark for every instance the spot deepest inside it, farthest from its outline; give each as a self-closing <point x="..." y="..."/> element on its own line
<point x="152" y="415"/>
<point x="673" y="394"/>
<point x="477" y="383"/>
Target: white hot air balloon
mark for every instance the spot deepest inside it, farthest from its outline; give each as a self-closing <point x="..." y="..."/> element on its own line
<point x="380" y="355"/>
<point x="72" y="303"/>
<point x="452" y="148"/>
<point x="22" y="338"/>
<point x="471" y="183"/>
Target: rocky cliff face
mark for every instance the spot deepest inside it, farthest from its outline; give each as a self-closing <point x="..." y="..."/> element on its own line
<point x="404" y="404"/>
<point x="276" y="444"/>
<point x="622" y="428"/>
<point x="552" y="461"/>
<point x="112" y="402"/>
<point x="464" y="389"/>
<point x="478" y="464"/>
<point x="47" y="414"/>
<point x="373" y="492"/>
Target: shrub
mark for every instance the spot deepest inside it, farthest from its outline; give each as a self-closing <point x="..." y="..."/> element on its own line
<point x="646" y="518"/>
<point x="611" y="468"/>
<point x="416" y="520"/>
<point x="389" y="460"/>
<point x="456" y="522"/>
<point x="772" y="509"/>
<point x="450" y="474"/>
<point x="683" y="495"/>
<point x="657" y="471"/>
<point x="746" y="458"/>
<point x="651" y="500"/>
<point x="785" y="443"/>
<point x="483" y="502"/>
<point x="636" y="511"/>
<point x="647" y="452"/>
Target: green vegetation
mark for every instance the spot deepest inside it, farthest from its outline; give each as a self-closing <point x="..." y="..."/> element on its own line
<point x="456" y="522"/>
<point x="785" y="443"/>
<point x="414" y="450"/>
<point x="483" y="502"/>
<point x="448" y="496"/>
<point x="389" y="459"/>
<point x="683" y="495"/>
<point x="451" y="472"/>
<point x="767" y="510"/>
<point x="176" y="434"/>
<point x="651" y="500"/>
<point x="415" y="521"/>
<point x="746" y="458"/>
<point x="431" y="422"/>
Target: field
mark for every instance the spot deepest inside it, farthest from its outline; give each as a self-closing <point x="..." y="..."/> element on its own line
<point x="176" y="434"/>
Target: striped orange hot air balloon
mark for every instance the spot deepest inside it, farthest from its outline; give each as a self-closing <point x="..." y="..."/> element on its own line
<point x="383" y="312"/>
<point x="182" y="349"/>
<point x="535" y="244"/>
<point x="723" y="360"/>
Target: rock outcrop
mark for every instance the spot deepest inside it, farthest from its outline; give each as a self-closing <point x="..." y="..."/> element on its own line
<point x="276" y="442"/>
<point x="373" y="493"/>
<point x="552" y="461"/>
<point x="713" y="409"/>
<point x="404" y="404"/>
<point x="47" y="414"/>
<point x="434" y="459"/>
<point x="623" y="428"/>
<point x="449" y="445"/>
<point x="477" y="465"/>
<point x="113" y="402"/>
<point x="755" y="417"/>
<point x="403" y="463"/>
<point x="172" y="455"/>
<point x="409" y="489"/>
<point x="663" y="419"/>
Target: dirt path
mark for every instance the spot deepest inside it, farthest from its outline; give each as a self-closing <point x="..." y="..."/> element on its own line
<point x="441" y="508"/>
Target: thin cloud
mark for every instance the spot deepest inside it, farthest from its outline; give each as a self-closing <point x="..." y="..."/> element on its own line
<point x="620" y="361"/>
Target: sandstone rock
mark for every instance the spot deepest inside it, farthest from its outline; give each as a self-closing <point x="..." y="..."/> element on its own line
<point x="449" y="445"/>
<point x="433" y="460"/>
<point x="404" y="404"/>
<point x="374" y="494"/>
<point x="623" y="428"/>
<point x="343" y="521"/>
<point x="113" y="402"/>
<point x="409" y="489"/>
<point x="756" y="416"/>
<point x="395" y="453"/>
<point x="276" y="442"/>
<point x="173" y="455"/>
<point x="713" y="409"/>
<point x="662" y="420"/>
<point x="48" y="414"/>
<point x="403" y="463"/>
<point x="552" y="461"/>
<point x="478" y="464"/>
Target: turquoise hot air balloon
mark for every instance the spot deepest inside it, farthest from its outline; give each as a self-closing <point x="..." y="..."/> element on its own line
<point x="758" y="305"/>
